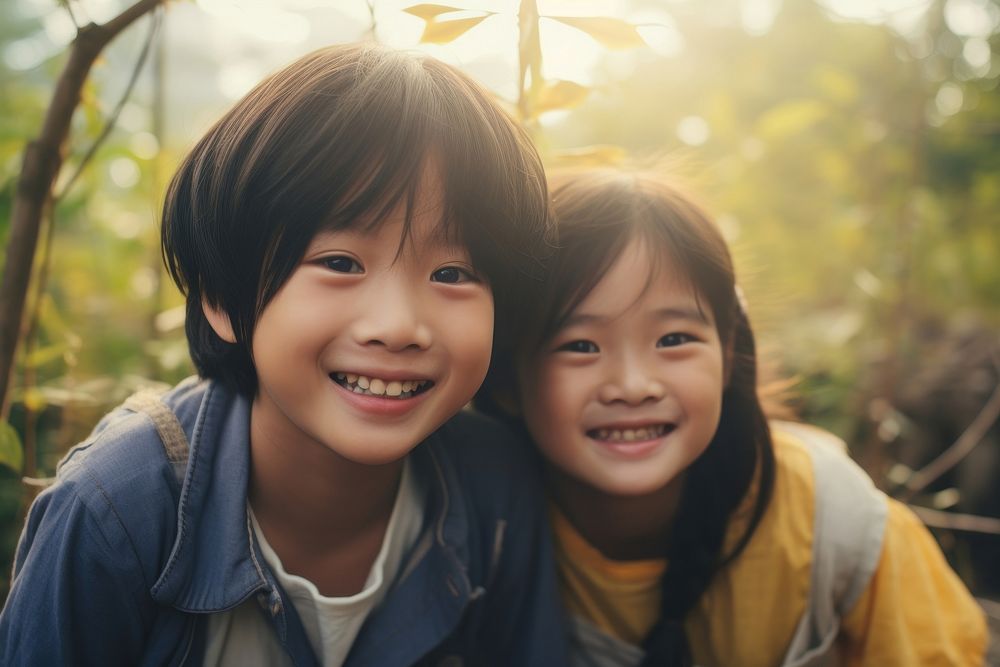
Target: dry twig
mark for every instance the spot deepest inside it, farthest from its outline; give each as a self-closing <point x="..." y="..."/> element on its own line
<point x="966" y="442"/>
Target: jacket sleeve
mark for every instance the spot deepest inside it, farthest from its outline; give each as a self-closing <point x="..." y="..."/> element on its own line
<point x="76" y="586"/>
<point x="915" y="610"/>
<point x="525" y="624"/>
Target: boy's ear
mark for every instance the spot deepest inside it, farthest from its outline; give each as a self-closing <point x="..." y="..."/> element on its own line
<point x="219" y="321"/>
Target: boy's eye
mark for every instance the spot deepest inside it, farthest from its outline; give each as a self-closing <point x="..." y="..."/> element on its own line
<point x="674" y="339"/>
<point x="578" y="346"/>
<point x="453" y="275"/>
<point x="341" y="264"/>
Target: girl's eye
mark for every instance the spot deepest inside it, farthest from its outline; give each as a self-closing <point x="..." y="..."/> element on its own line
<point x="453" y="275"/>
<point x="341" y="264"/>
<point x="578" y="346"/>
<point x="674" y="339"/>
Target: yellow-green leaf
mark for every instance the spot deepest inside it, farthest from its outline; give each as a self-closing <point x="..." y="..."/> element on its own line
<point x="34" y="399"/>
<point x="529" y="50"/>
<point x="838" y="85"/>
<point x="11" y="453"/>
<point x="596" y="155"/>
<point x="561" y="95"/>
<point x="43" y="355"/>
<point x="442" y="32"/>
<point x="612" y="33"/>
<point x="429" y="12"/>
<point x="790" y="118"/>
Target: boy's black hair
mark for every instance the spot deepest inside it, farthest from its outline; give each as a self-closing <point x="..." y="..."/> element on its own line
<point x="598" y="212"/>
<point x="339" y="139"/>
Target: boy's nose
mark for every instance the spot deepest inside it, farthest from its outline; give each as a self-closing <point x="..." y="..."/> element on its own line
<point x="631" y="382"/>
<point x="394" y="320"/>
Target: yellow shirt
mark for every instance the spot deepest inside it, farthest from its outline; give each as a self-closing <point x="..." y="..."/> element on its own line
<point x="915" y="610"/>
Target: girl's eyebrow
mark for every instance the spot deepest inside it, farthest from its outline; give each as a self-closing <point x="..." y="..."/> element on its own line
<point x="691" y="313"/>
<point x="585" y="318"/>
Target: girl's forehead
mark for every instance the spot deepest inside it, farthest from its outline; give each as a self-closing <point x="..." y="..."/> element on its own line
<point x="642" y="278"/>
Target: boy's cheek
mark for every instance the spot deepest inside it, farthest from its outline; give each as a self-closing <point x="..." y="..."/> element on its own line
<point x="469" y="331"/>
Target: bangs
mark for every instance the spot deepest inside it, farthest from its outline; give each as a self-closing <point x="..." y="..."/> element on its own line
<point x="403" y="116"/>
<point x="599" y="213"/>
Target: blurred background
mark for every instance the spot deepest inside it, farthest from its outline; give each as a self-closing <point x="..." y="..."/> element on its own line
<point x="850" y="150"/>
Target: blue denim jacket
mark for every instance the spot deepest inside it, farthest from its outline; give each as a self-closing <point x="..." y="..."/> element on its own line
<point x="120" y="564"/>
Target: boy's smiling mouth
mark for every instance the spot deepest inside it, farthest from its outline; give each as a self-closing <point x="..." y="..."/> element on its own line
<point x="614" y="434"/>
<point x="373" y="386"/>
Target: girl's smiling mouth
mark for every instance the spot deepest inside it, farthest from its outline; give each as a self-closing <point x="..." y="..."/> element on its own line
<point x="631" y="441"/>
<point x="381" y="388"/>
<point x="627" y="434"/>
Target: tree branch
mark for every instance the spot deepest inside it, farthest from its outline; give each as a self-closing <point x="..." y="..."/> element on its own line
<point x="954" y="521"/>
<point x="950" y="457"/>
<point x="113" y="118"/>
<point x="43" y="158"/>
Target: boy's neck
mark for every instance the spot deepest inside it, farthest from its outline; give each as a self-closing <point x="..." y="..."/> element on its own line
<point x="324" y="515"/>
<point x="620" y="527"/>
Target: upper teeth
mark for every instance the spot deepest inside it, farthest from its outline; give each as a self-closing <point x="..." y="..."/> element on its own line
<point x="630" y="434"/>
<point x="362" y="384"/>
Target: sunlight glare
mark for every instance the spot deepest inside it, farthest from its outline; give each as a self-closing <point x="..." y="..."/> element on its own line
<point x="971" y="18"/>
<point x="236" y="79"/>
<point x="59" y="28"/>
<point x="904" y="16"/>
<point x="260" y="19"/>
<point x="124" y="172"/>
<point x="977" y="52"/>
<point x="144" y="145"/>
<point x="143" y="282"/>
<point x="949" y="99"/>
<point x="693" y="130"/>
<point x="757" y="16"/>
<point x="125" y="224"/>
<point x="27" y="53"/>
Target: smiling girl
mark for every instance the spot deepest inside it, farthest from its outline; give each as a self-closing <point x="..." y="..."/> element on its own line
<point x="688" y="528"/>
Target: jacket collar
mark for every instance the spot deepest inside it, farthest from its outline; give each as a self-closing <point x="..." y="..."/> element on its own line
<point x="215" y="564"/>
<point x="211" y="565"/>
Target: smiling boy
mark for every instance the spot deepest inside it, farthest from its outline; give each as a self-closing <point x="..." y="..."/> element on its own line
<point x="343" y="237"/>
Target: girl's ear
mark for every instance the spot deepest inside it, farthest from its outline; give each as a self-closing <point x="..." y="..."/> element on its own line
<point x="219" y="321"/>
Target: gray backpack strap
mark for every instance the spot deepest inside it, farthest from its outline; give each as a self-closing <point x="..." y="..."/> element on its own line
<point x="589" y="646"/>
<point x="172" y="436"/>
<point x="849" y="525"/>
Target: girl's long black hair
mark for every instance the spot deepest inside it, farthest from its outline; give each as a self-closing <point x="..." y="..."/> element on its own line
<point x="597" y="213"/>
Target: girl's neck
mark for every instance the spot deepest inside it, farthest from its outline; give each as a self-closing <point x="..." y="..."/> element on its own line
<point x="620" y="527"/>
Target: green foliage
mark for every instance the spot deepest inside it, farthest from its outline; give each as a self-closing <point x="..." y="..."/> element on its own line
<point x="11" y="454"/>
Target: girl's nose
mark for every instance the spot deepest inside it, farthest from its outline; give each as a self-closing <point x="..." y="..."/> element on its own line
<point x="630" y="381"/>
<point x="395" y="321"/>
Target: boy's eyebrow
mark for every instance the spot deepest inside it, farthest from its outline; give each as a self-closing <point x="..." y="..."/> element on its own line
<point x="438" y="237"/>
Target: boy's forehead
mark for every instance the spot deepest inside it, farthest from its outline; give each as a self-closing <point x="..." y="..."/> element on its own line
<point x="419" y="205"/>
<point x="425" y="224"/>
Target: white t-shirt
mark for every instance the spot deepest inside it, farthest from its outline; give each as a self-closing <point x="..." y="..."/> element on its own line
<point x="243" y="636"/>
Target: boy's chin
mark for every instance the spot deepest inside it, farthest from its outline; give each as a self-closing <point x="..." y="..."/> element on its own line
<point x="370" y="453"/>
